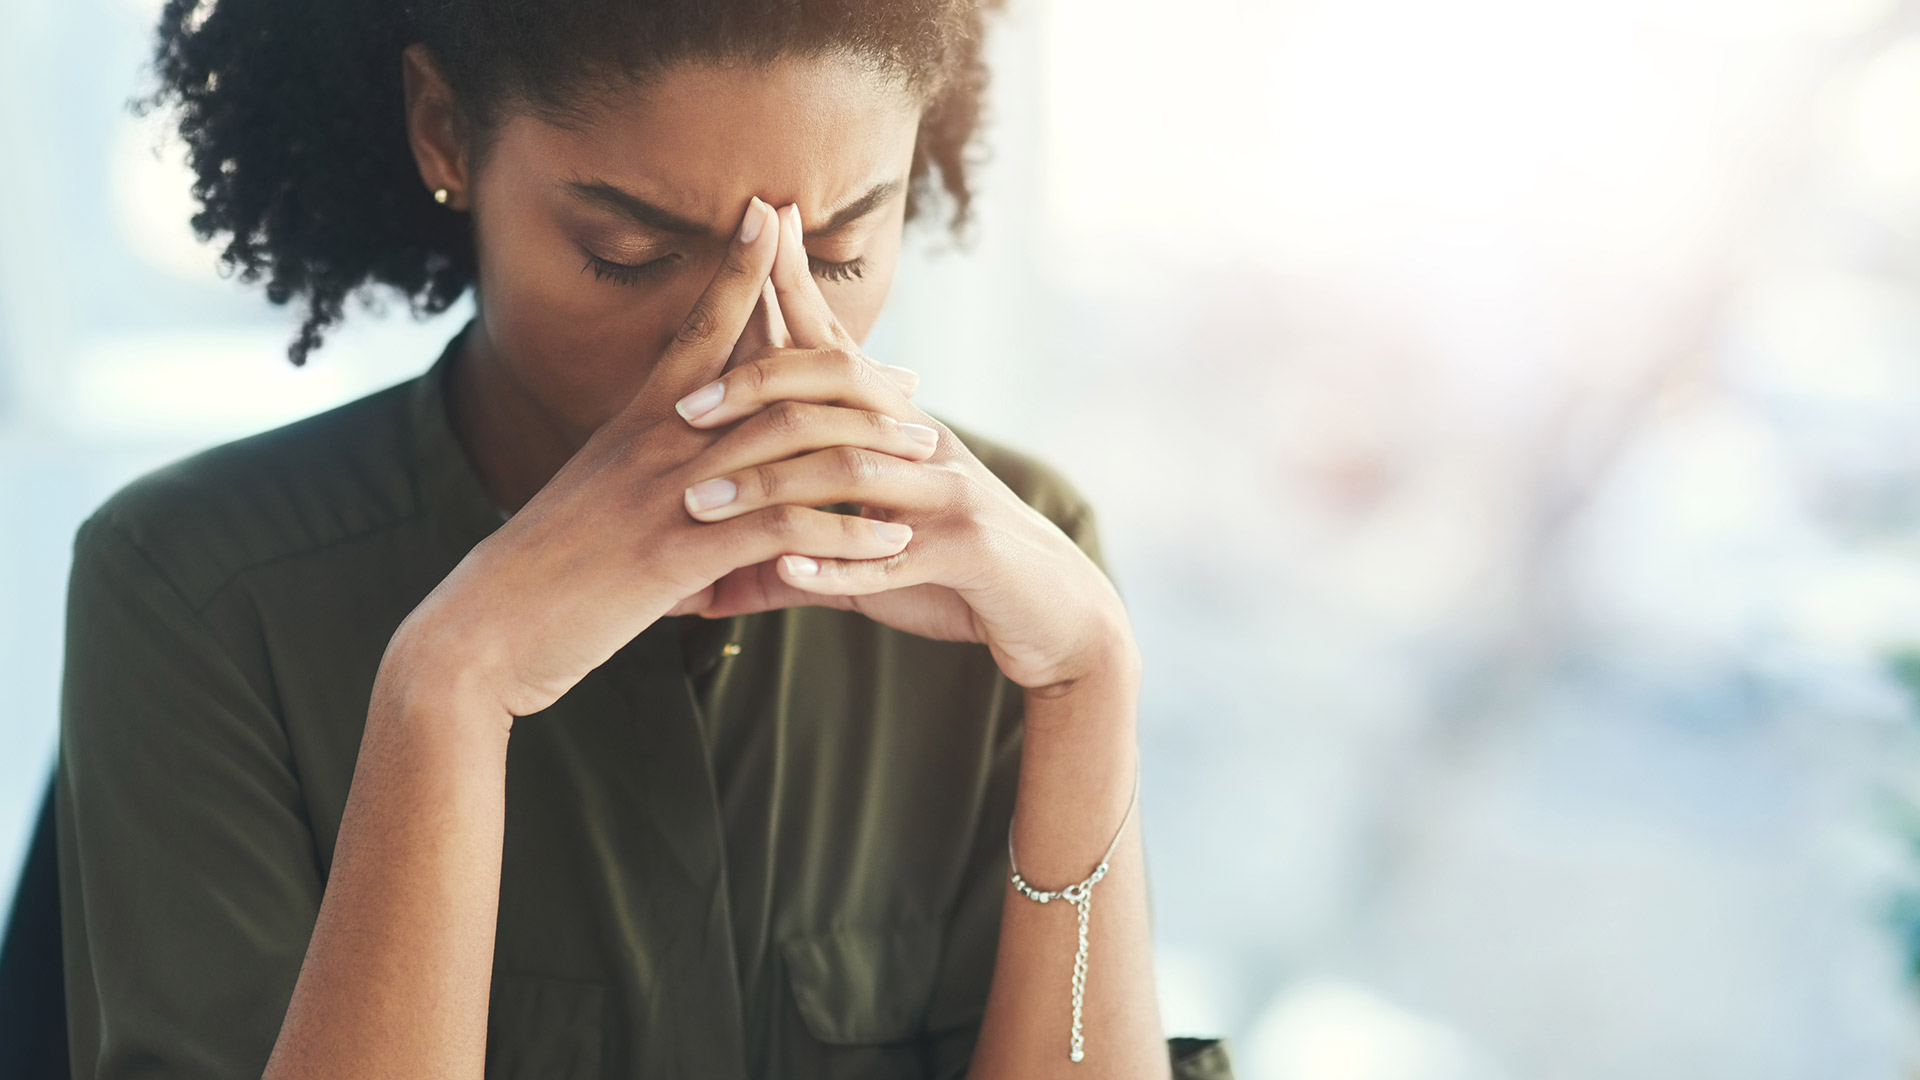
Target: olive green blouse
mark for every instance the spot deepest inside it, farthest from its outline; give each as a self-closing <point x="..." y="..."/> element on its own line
<point x="766" y="846"/>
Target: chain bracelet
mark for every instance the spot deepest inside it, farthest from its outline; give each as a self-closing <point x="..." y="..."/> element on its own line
<point x="1080" y="895"/>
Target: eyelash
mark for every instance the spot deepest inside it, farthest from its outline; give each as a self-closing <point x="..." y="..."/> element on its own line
<point x="850" y="270"/>
<point x="631" y="273"/>
<point x="623" y="273"/>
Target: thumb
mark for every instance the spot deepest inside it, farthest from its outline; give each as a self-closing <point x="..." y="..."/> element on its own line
<point x="756" y="588"/>
<point x="695" y="604"/>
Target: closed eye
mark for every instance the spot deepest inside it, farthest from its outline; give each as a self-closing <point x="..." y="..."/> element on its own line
<point x="826" y="270"/>
<point x="625" y="273"/>
<point x="633" y="273"/>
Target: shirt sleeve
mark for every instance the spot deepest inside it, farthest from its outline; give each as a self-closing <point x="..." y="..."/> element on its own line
<point x="974" y="928"/>
<point x="189" y="878"/>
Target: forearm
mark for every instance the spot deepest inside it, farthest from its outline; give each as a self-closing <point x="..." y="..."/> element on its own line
<point x="1077" y="774"/>
<point x="397" y="974"/>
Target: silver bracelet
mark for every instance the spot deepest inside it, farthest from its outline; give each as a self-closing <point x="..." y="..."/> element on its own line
<point x="1080" y="895"/>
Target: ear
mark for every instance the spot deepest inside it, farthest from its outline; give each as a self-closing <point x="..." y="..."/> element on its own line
<point x="433" y="128"/>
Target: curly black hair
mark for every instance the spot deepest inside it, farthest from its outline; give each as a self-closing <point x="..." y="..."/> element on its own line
<point x="294" y="123"/>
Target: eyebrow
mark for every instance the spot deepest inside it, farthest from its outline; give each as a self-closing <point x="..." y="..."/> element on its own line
<point x="878" y="195"/>
<point x="605" y="195"/>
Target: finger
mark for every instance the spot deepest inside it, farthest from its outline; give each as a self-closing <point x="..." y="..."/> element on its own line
<point x="791" y="428"/>
<point x="765" y="329"/>
<point x="705" y="339"/>
<point x="828" y="577"/>
<point x="760" y="588"/>
<point x="827" y="376"/>
<point x="811" y="320"/>
<point x="834" y="475"/>
<point x="809" y="317"/>
<point x="718" y="547"/>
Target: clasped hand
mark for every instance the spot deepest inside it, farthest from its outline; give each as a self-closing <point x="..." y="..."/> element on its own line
<point x="703" y="496"/>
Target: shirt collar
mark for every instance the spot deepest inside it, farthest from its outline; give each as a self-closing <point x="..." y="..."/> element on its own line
<point x="450" y="486"/>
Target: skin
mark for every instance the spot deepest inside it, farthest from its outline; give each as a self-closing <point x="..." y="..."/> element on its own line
<point x="590" y="408"/>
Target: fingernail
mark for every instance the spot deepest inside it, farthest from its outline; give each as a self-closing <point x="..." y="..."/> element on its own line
<point x="800" y="565"/>
<point x="756" y="218"/>
<point x="906" y="379"/>
<point x="710" y="493"/>
<point x="701" y="401"/>
<point x="794" y="220"/>
<point x="921" y="434"/>
<point x="892" y="532"/>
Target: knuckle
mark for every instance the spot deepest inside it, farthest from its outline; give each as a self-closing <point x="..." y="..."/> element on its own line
<point x="785" y="418"/>
<point x="700" y="325"/>
<point x="783" y="521"/>
<point x="966" y="530"/>
<point x="858" y="531"/>
<point x="763" y="481"/>
<point x="753" y="377"/>
<point x="848" y="364"/>
<point x="855" y="465"/>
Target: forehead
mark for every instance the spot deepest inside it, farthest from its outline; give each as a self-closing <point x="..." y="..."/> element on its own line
<point x="700" y="138"/>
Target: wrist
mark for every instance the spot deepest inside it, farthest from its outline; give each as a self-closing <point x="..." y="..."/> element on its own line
<point x="1092" y="718"/>
<point x="1107" y="664"/>
<point x="433" y="675"/>
<point x="1079" y="762"/>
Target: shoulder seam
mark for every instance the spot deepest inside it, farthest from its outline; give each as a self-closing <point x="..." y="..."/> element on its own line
<point x="305" y="552"/>
<point x="98" y="521"/>
<point x="109" y="516"/>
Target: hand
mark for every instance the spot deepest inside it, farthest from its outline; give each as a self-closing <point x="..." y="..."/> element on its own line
<point x="982" y="566"/>
<point x="606" y="546"/>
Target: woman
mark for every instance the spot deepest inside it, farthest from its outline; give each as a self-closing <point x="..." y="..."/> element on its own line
<point x="785" y="664"/>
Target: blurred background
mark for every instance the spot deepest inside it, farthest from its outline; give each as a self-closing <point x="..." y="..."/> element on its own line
<point x="1504" y="417"/>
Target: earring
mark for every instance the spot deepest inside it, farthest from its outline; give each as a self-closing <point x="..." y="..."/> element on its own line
<point x="440" y="196"/>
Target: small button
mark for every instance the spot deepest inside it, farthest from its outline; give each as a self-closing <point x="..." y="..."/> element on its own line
<point x="731" y="648"/>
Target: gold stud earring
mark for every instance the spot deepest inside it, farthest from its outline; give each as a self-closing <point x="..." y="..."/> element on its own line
<point x="440" y="196"/>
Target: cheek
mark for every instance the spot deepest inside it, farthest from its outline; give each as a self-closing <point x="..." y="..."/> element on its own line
<point x="578" y="345"/>
<point x="857" y="303"/>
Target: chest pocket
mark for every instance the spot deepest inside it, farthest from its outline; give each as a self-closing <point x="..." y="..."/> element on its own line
<point x="864" y="987"/>
<point x="549" y="1029"/>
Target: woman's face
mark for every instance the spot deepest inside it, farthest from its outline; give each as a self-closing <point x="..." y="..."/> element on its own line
<point x="595" y="239"/>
